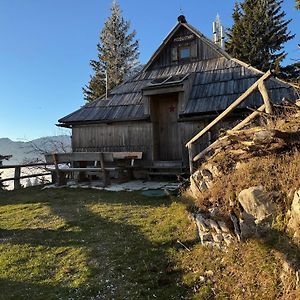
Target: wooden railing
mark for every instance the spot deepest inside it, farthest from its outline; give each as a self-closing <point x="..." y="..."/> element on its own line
<point x="17" y="173"/>
<point x="267" y="106"/>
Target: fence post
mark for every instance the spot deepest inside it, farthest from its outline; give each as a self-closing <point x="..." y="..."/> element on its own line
<point x="17" y="184"/>
<point x="191" y="154"/>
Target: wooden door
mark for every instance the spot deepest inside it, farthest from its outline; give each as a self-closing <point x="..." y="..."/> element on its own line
<point x="167" y="145"/>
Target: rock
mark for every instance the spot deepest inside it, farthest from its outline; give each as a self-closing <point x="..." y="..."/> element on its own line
<point x="210" y="232"/>
<point x="195" y="187"/>
<point x="223" y="226"/>
<point x="263" y="137"/>
<point x="217" y="237"/>
<point x="294" y="221"/>
<point x="203" y="230"/>
<point x="212" y="169"/>
<point x="228" y="239"/>
<point x="256" y="204"/>
<point x="213" y="225"/>
<point x="236" y="226"/>
<point x="207" y="174"/>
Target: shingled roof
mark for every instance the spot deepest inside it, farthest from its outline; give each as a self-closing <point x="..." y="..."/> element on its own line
<point x="217" y="82"/>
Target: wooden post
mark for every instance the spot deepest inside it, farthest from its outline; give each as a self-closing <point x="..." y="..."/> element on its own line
<point x="191" y="154"/>
<point x="235" y="104"/>
<point x="57" y="173"/>
<point x="267" y="101"/>
<point x="17" y="184"/>
<point x="106" y="179"/>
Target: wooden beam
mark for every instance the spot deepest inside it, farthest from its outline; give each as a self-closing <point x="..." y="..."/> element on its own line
<point x="23" y="165"/>
<point x="25" y="176"/>
<point x="235" y="104"/>
<point x="267" y="100"/>
<point x="210" y="147"/>
<point x="237" y="127"/>
<point x="249" y="118"/>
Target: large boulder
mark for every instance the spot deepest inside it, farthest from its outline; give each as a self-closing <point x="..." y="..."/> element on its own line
<point x="294" y="221"/>
<point x="256" y="204"/>
<point x="257" y="211"/>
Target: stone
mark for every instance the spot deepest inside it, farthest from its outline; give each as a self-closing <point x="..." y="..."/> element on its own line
<point x="203" y="186"/>
<point x="228" y="239"/>
<point x="256" y="204"/>
<point x="217" y="237"/>
<point x="213" y="169"/>
<point x="236" y="227"/>
<point x="207" y="174"/>
<point x="213" y="225"/>
<point x="223" y="226"/>
<point x="263" y="137"/>
<point x="294" y="221"/>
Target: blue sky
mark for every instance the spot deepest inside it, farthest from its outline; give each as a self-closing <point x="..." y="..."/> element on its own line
<point x="46" y="46"/>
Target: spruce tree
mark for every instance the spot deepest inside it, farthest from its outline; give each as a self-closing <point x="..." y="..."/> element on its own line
<point x="258" y="33"/>
<point x="117" y="55"/>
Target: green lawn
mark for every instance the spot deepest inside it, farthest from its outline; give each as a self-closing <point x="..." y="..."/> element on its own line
<point x="87" y="244"/>
<point x="77" y="244"/>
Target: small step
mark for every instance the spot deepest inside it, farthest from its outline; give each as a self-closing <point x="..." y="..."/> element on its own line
<point x="163" y="164"/>
<point x="165" y="173"/>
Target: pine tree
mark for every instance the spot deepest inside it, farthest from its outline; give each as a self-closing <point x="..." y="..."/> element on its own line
<point x="117" y="55"/>
<point x="258" y="33"/>
<point x="297" y="4"/>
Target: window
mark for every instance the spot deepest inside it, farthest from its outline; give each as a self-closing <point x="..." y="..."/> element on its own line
<point x="184" y="52"/>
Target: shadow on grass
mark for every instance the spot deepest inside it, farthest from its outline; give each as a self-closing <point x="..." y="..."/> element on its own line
<point x="277" y="240"/>
<point x="122" y="263"/>
<point x="27" y="290"/>
<point x="35" y="195"/>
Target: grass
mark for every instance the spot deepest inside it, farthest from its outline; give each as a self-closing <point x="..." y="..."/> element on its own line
<point x="66" y="244"/>
<point x="86" y="244"/>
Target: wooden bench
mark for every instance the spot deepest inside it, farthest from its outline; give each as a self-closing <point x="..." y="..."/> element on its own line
<point x="79" y="162"/>
<point x="88" y="163"/>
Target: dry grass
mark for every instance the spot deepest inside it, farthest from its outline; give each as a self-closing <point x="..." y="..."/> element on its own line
<point x="277" y="171"/>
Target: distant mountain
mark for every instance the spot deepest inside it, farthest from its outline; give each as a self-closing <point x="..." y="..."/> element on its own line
<point x="34" y="150"/>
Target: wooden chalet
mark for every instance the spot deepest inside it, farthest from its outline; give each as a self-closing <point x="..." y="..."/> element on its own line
<point x="187" y="82"/>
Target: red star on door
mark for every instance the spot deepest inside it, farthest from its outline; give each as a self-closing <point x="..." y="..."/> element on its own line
<point x="172" y="108"/>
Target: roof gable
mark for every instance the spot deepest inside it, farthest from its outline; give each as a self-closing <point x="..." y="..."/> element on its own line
<point x="184" y="35"/>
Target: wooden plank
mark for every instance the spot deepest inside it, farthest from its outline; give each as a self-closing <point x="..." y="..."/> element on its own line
<point x="23" y="165"/>
<point x="249" y="118"/>
<point x="25" y="176"/>
<point x="235" y="104"/>
<point x="267" y="100"/>
<point x="127" y="155"/>
<point x="236" y="128"/>
<point x="78" y="156"/>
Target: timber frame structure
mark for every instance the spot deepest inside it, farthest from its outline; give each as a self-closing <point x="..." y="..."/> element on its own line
<point x="169" y="105"/>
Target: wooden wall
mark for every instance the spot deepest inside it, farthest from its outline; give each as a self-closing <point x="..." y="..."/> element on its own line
<point x="201" y="49"/>
<point x="138" y="136"/>
<point x="133" y="136"/>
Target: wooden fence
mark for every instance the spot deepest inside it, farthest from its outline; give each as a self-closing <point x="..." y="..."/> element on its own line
<point x="17" y="173"/>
